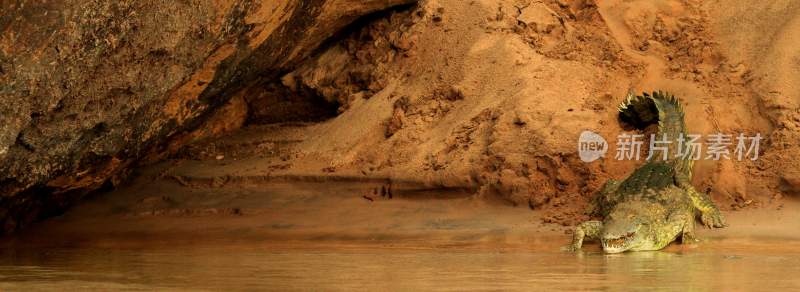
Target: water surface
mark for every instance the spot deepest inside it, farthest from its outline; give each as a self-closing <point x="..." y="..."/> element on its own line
<point x="733" y="267"/>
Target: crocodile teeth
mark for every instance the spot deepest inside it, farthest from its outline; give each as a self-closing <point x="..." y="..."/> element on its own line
<point x="619" y="242"/>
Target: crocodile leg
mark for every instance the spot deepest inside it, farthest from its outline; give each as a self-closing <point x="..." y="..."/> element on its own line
<point x="709" y="213"/>
<point x="680" y="224"/>
<point x="687" y="233"/>
<point x="588" y="229"/>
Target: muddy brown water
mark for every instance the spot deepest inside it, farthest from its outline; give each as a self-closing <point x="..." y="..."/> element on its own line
<point x="742" y="265"/>
<point x="323" y="237"/>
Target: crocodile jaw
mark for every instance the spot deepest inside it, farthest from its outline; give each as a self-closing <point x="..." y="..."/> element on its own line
<point x="618" y="244"/>
<point x="608" y="249"/>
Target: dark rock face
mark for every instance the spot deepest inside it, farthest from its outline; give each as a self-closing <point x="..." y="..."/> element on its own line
<point x="89" y="87"/>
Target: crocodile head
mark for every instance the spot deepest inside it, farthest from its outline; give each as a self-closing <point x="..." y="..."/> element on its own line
<point x="632" y="226"/>
<point x="622" y="235"/>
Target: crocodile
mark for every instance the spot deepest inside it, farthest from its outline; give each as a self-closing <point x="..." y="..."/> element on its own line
<point x="657" y="203"/>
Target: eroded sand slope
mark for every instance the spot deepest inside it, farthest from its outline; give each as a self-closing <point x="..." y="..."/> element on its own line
<point x="465" y="107"/>
<point x="492" y="95"/>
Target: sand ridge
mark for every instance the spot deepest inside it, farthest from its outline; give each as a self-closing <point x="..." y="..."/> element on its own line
<point x="492" y="95"/>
